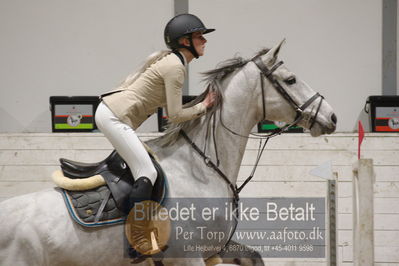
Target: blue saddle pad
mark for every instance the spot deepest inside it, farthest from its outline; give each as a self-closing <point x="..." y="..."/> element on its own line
<point x="84" y="206"/>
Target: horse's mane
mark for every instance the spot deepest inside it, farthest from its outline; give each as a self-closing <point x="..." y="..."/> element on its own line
<point x="212" y="78"/>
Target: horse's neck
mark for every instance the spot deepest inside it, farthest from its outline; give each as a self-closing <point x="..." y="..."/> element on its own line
<point x="238" y="114"/>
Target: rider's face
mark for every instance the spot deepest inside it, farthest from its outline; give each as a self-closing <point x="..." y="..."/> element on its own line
<point x="199" y="42"/>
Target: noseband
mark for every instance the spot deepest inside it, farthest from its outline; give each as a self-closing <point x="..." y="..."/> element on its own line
<point x="299" y="109"/>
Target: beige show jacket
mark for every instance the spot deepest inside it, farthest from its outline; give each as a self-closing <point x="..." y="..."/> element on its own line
<point x="160" y="85"/>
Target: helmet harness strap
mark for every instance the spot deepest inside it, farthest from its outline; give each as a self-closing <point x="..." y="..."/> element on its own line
<point x="190" y="48"/>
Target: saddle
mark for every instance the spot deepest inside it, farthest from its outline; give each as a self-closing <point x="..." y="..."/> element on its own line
<point x="103" y="201"/>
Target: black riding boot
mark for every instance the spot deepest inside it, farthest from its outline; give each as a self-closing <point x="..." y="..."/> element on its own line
<point x="141" y="229"/>
<point x="142" y="190"/>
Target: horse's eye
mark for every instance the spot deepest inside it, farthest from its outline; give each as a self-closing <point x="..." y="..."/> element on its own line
<point x="290" y="81"/>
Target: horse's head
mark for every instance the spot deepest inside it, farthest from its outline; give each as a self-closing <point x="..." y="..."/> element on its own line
<point x="285" y="97"/>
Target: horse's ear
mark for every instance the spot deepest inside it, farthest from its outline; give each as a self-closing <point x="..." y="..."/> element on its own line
<point x="276" y="49"/>
<point x="271" y="56"/>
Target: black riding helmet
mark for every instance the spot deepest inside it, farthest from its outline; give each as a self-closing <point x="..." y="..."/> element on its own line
<point x="183" y="25"/>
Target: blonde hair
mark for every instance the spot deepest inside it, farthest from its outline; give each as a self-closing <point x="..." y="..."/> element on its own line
<point x="151" y="59"/>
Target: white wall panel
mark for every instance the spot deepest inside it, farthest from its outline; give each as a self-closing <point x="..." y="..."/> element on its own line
<point x="27" y="161"/>
<point x="70" y="48"/>
<point x="335" y="46"/>
<point x="87" y="47"/>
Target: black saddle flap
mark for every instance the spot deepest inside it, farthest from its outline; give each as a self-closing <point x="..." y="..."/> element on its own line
<point x="117" y="175"/>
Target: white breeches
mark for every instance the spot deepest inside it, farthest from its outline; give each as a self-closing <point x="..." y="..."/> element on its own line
<point x="126" y="143"/>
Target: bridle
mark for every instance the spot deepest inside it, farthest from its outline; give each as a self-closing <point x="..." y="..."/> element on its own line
<point x="299" y="109"/>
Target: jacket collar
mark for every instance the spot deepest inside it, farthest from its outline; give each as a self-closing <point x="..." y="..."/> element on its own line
<point x="181" y="57"/>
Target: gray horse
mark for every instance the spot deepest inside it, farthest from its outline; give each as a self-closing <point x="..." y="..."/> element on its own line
<point x="44" y="234"/>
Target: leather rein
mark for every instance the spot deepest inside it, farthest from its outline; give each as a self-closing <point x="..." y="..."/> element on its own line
<point x="299" y="109"/>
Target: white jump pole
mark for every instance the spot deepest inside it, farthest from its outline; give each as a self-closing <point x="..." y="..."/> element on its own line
<point x="363" y="212"/>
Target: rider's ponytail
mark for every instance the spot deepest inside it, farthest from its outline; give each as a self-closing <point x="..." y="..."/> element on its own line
<point x="154" y="57"/>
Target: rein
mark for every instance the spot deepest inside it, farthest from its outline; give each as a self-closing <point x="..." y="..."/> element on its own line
<point x="210" y="164"/>
<point x="299" y="109"/>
